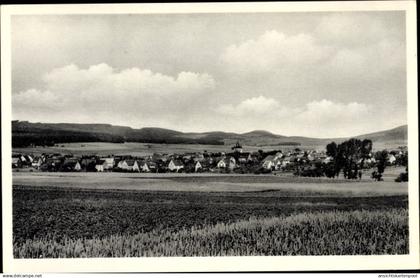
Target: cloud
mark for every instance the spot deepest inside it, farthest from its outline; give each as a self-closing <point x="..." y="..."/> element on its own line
<point x="325" y="117"/>
<point x="313" y="74"/>
<point x="331" y="119"/>
<point x="350" y="30"/>
<point x="133" y="81"/>
<point x="273" y="50"/>
<point x="253" y="106"/>
<point x="101" y="93"/>
<point x="34" y="99"/>
<point x="367" y="57"/>
<point x="339" y="117"/>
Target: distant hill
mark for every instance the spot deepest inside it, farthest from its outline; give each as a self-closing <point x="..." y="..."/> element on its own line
<point x="395" y="134"/>
<point x="26" y="133"/>
<point x="261" y="133"/>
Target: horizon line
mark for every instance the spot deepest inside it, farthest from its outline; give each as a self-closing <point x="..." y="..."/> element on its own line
<point x="211" y="131"/>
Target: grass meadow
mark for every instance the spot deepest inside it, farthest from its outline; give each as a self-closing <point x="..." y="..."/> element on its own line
<point x="56" y="215"/>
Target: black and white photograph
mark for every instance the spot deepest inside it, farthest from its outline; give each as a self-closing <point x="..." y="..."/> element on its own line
<point x="217" y="133"/>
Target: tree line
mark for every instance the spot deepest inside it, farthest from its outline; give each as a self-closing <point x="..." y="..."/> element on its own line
<point x="349" y="158"/>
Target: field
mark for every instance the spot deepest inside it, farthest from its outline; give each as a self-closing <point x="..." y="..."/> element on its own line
<point x="326" y="233"/>
<point x="143" y="149"/>
<point x="283" y="183"/>
<point x="134" y="149"/>
<point x="121" y="214"/>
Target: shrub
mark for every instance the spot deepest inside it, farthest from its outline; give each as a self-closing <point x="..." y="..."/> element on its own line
<point x="262" y="170"/>
<point x="403" y="177"/>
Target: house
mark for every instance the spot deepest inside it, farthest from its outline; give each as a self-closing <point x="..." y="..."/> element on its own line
<point x="25" y="160"/>
<point x="70" y="165"/>
<point x="279" y="155"/>
<point x="109" y="163"/>
<point x="54" y="161"/>
<point x="164" y="157"/>
<point x="120" y="164"/>
<point x="366" y="162"/>
<point x="198" y="166"/>
<point x="137" y="166"/>
<point x="232" y="163"/>
<point x="319" y="157"/>
<point x="300" y="156"/>
<point x="100" y="165"/>
<point x="328" y="159"/>
<point x="198" y="157"/>
<point x="286" y="161"/>
<point x="371" y="160"/>
<point x="227" y="162"/>
<point x="37" y="162"/>
<point x="243" y="157"/>
<point x="253" y="157"/>
<point x="126" y="164"/>
<point x="88" y="163"/>
<point x="130" y="164"/>
<point x="142" y="166"/>
<point x="78" y="166"/>
<point x="117" y="159"/>
<point x="56" y="156"/>
<point x="152" y="166"/>
<point x="391" y="159"/>
<point x="16" y="162"/>
<point x="310" y="157"/>
<point x="22" y="159"/>
<point x="203" y="166"/>
<point x="293" y="159"/>
<point x="49" y="165"/>
<point x="222" y="163"/>
<point x="29" y="159"/>
<point x="175" y="165"/>
<point x="187" y="157"/>
<point x="237" y="148"/>
<point x="270" y="162"/>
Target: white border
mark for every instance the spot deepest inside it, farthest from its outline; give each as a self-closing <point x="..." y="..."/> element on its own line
<point x="410" y="261"/>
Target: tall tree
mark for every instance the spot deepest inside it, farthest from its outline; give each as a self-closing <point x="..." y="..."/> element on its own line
<point x="381" y="159"/>
<point x="349" y="156"/>
<point x="365" y="151"/>
<point x="332" y="149"/>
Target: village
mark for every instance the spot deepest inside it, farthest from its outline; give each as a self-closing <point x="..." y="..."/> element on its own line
<point x="236" y="161"/>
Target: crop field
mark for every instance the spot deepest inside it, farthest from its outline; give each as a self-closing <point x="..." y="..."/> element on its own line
<point x="331" y="233"/>
<point x="100" y="215"/>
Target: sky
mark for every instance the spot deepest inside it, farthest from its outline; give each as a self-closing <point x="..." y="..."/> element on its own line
<point x="305" y="74"/>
